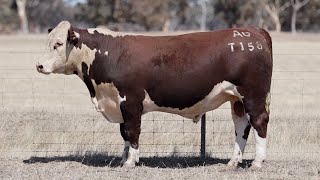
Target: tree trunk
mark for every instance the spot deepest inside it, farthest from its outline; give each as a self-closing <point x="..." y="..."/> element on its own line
<point x="275" y="10"/>
<point x="203" y="16"/>
<point x="166" y="24"/>
<point x="275" y="16"/>
<point x="294" y="20"/>
<point x="296" y="4"/>
<point x="277" y="23"/>
<point x="21" y="4"/>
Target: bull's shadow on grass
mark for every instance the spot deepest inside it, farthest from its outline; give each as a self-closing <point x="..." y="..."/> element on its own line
<point x="100" y="160"/>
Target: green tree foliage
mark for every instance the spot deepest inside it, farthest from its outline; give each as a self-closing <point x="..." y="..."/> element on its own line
<point x="96" y="12"/>
<point x="308" y="18"/>
<point x="237" y="12"/>
<point x="130" y="15"/>
<point x="150" y="15"/>
<point x="8" y="16"/>
<point x="43" y="14"/>
<point x="228" y="11"/>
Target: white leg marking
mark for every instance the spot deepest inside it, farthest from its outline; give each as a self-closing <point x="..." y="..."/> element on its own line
<point x="261" y="153"/>
<point x="125" y="152"/>
<point x="133" y="155"/>
<point x="130" y="156"/>
<point x="106" y="53"/>
<point x="240" y="124"/>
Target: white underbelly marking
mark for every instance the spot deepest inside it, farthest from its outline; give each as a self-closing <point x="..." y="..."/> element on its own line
<point x="221" y="93"/>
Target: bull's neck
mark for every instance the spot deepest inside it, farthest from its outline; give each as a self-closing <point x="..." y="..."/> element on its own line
<point x="92" y="51"/>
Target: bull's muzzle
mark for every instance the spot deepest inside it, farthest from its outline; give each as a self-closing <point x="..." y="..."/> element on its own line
<point x="40" y="68"/>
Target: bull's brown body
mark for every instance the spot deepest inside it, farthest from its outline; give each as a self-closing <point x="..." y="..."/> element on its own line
<point x="181" y="72"/>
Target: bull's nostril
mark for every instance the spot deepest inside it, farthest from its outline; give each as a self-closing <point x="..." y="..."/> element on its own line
<point x="40" y="66"/>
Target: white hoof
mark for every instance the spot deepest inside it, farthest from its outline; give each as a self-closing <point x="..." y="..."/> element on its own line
<point x="131" y="164"/>
<point x="233" y="163"/>
<point x="256" y="165"/>
<point x="130" y="157"/>
<point x="122" y="162"/>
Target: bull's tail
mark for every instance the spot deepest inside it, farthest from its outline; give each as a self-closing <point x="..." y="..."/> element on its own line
<point x="269" y="42"/>
<point x="268" y="38"/>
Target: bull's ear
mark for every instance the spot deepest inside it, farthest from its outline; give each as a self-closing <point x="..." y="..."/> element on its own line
<point x="72" y="38"/>
<point x="49" y="30"/>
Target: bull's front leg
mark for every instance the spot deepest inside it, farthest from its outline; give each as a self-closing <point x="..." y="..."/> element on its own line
<point x="130" y="131"/>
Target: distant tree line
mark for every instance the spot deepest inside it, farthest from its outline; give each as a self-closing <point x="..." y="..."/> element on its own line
<point x="166" y="15"/>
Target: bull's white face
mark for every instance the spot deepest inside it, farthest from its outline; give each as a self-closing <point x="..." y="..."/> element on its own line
<point x="56" y="57"/>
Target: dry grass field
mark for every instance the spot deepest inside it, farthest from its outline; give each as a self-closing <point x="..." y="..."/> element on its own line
<point x="50" y="130"/>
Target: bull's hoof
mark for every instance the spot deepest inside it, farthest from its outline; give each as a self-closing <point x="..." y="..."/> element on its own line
<point x="122" y="162"/>
<point x="233" y="164"/>
<point x="256" y="165"/>
<point x="128" y="165"/>
<point x="125" y="163"/>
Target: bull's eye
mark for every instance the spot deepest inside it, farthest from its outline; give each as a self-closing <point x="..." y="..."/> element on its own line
<point x="58" y="44"/>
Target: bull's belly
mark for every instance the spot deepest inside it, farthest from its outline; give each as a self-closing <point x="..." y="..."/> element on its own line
<point x="220" y="94"/>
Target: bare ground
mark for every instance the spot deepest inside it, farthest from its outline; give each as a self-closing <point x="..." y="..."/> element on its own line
<point x="106" y="167"/>
<point x="292" y="155"/>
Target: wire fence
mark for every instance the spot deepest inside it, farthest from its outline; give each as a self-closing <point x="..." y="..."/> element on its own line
<point x="53" y="115"/>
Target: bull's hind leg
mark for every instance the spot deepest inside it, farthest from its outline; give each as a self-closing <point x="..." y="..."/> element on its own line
<point x="242" y="129"/>
<point x="258" y="110"/>
<point x="260" y="123"/>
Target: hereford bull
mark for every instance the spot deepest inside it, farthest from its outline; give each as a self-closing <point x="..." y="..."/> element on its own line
<point x="129" y="75"/>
